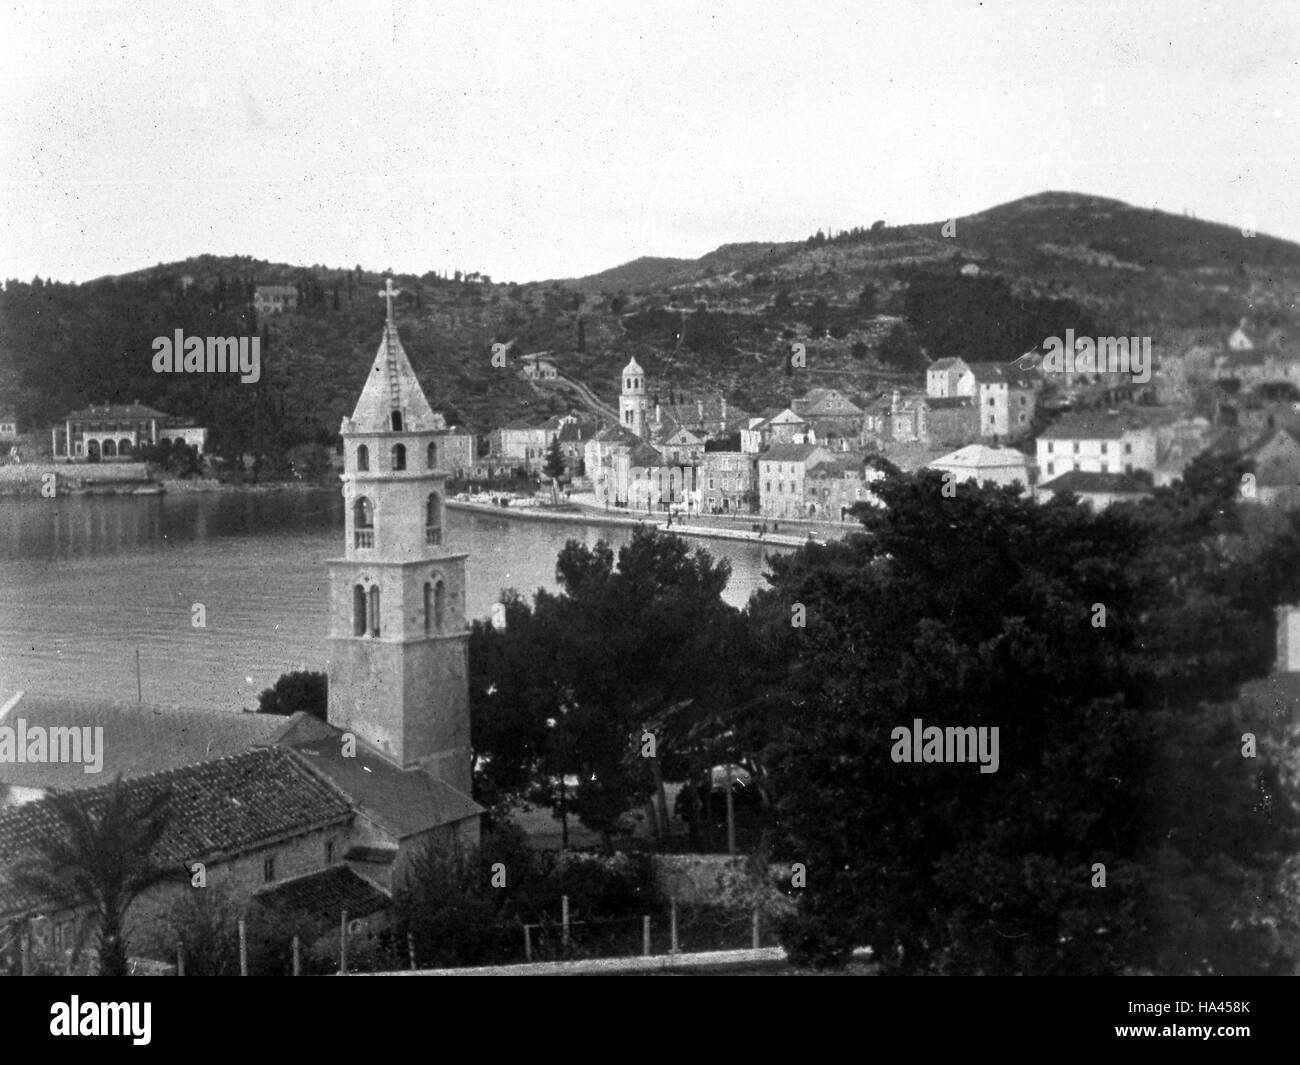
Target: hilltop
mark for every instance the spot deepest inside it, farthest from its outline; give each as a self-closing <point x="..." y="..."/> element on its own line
<point x="870" y="303"/>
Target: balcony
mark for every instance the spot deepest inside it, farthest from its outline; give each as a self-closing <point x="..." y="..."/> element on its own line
<point x="365" y="537"/>
<point x="433" y="535"/>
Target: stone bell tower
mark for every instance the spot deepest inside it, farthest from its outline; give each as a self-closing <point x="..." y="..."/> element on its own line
<point x="399" y="645"/>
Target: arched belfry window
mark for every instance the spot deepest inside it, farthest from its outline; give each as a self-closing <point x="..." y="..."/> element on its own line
<point x="435" y="604"/>
<point x="431" y="460"/>
<point x="363" y="457"/>
<point x="374" y="610"/>
<point x="363" y="522"/>
<point x="433" y="520"/>
<point x="358" y="610"/>
<point x="397" y="421"/>
<point x="399" y="456"/>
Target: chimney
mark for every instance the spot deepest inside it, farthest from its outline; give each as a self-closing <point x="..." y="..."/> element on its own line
<point x="1288" y="639"/>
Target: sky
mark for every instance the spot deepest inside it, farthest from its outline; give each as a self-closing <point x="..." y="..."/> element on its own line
<point x="536" y="140"/>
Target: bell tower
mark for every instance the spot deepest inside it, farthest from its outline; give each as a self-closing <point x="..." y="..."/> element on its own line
<point x="399" y="645"/>
<point x="632" y="399"/>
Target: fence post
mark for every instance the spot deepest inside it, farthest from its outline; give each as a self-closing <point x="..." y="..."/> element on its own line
<point x="180" y="959"/>
<point x="410" y="948"/>
<point x="528" y="942"/>
<point x="756" y="928"/>
<point x="297" y="956"/>
<point x="672" y="913"/>
<point x="343" y="942"/>
<point x="645" y="936"/>
<point x="243" y="948"/>
<point x="564" y="919"/>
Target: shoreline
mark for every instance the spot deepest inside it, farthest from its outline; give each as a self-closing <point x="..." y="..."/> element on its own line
<point x="583" y="517"/>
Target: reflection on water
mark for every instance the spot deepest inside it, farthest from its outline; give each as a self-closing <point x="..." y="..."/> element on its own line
<point x="87" y="581"/>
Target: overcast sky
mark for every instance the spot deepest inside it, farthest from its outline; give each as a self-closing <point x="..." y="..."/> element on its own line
<point x="535" y="140"/>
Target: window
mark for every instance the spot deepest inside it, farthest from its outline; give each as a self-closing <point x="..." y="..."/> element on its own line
<point x="431" y="459"/>
<point x="1128" y="449"/>
<point x="268" y="869"/>
<point x="397" y="421"/>
<point x="1128" y="467"/>
<point x="1049" y="447"/>
<point x="1076" y="466"/>
<point x="992" y="402"/>
<point x="433" y="520"/>
<point x="374" y="610"/>
<point x="363" y="521"/>
<point x="399" y="456"/>
<point x="363" y="457"/>
<point x="1076" y="447"/>
<point x="358" y="610"/>
<point x="1103" y="447"/>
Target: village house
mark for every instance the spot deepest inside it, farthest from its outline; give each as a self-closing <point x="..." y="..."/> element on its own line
<point x="832" y="487"/>
<point x="8" y="426"/>
<point x="538" y="368"/>
<point x="835" y="419"/>
<point x="274" y="299"/>
<point x="575" y="433"/>
<point x="117" y="431"/>
<point x="457" y="450"/>
<point x="782" y="471"/>
<point x="776" y="425"/>
<point x="1004" y="466"/>
<point x="1096" y="443"/>
<point x="1004" y="395"/>
<point x="1276" y="457"/>
<point x="655" y="482"/>
<point x="604" y="456"/>
<point x="520" y="443"/>
<point x="1096" y="490"/>
<point x="726" y="482"/>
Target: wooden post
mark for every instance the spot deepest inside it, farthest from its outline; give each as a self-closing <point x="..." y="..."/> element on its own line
<point x="243" y="948"/>
<point x="645" y="935"/>
<point x="564" y="919"/>
<point x="672" y="914"/>
<point x="731" y="818"/>
<point x="410" y="948"/>
<point x="297" y="956"/>
<point x="343" y="942"/>
<point x="180" y="959"/>
<point x="756" y="928"/>
<point x="528" y="942"/>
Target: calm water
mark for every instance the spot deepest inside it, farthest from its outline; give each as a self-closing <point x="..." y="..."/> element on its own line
<point x="86" y="581"/>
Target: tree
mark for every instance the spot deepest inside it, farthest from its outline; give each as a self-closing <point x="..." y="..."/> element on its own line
<point x="582" y="336"/>
<point x="104" y="854"/>
<point x="900" y="350"/>
<point x="554" y="467"/>
<point x="576" y="682"/>
<point x="301" y="691"/>
<point x="1119" y="752"/>
<point x="867" y="299"/>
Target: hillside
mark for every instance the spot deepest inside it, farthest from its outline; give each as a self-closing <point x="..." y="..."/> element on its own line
<point x="871" y="304"/>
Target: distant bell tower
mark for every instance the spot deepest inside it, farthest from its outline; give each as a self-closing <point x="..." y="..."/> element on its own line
<point x="632" y="400"/>
<point x="399" y="646"/>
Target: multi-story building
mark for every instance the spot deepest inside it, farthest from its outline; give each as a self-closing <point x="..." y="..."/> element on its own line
<point x="118" y="431"/>
<point x="1004" y="466"/>
<point x="1096" y="443"/>
<point x="782" y="470"/>
<point x="521" y="443"/>
<point x="274" y="299"/>
<point x="726" y="482"/>
<point x="834" y="486"/>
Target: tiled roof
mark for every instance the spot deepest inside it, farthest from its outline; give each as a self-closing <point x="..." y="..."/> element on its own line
<point x="983" y="457"/>
<point x="137" y="739"/>
<point x="518" y="424"/>
<point x="219" y="807"/>
<point x="946" y="364"/>
<point x="645" y="456"/>
<point x="403" y="801"/>
<point x="1084" y="482"/>
<point x="326" y="895"/>
<point x="1012" y="374"/>
<point x="787" y="453"/>
<point x="115" y="412"/>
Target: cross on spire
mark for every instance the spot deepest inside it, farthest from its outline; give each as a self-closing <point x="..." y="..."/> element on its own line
<point x="387" y="293"/>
